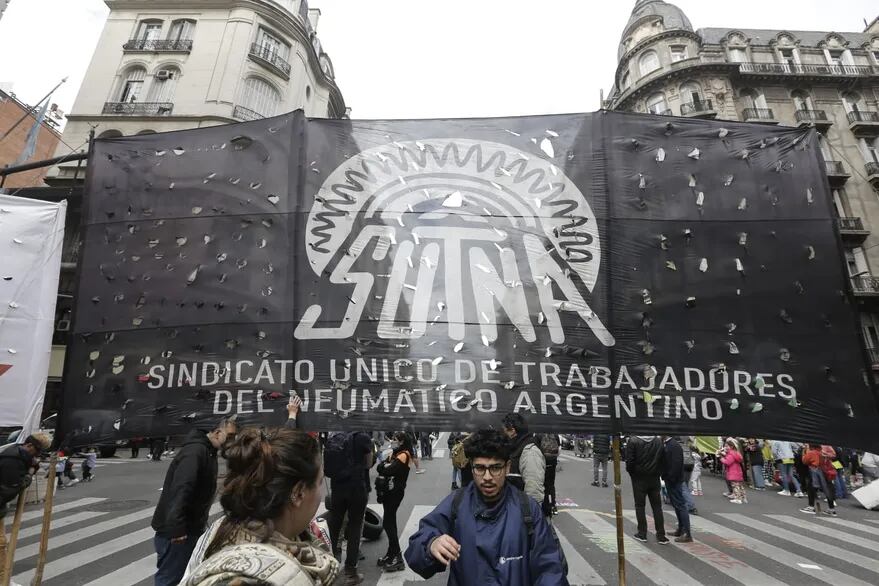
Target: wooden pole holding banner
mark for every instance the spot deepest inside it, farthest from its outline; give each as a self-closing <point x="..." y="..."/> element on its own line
<point x="9" y="560"/>
<point x="618" y="503"/>
<point x="47" y="520"/>
<point x="4" y="571"/>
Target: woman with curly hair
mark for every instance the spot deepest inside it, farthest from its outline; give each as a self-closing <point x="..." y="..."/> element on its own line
<point x="271" y="493"/>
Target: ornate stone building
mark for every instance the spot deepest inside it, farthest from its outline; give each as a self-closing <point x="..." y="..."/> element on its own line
<point x="796" y="78"/>
<point x="165" y="65"/>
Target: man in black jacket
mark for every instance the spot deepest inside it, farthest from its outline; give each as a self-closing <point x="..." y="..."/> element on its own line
<point x="182" y="513"/>
<point x="673" y="474"/>
<point x="600" y="456"/>
<point x="18" y="462"/>
<point x="644" y="460"/>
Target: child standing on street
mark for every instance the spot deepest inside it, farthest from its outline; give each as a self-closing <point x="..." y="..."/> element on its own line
<point x="89" y="464"/>
<point x="731" y="458"/>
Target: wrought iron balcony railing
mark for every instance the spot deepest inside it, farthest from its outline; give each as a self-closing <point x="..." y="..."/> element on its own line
<point x="866" y="285"/>
<point x="138" y="108"/>
<point x="269" y="56"/>
<point x="758" y="114"/>
<point x="851" y="224"/>
<point x="159" y="45"/>
<point x="805" y="69"/>
<point x="242" y="113"/>
<point x="696" y="107"/>
<point x="863" y="116"/>
<point x="811" y="116"/>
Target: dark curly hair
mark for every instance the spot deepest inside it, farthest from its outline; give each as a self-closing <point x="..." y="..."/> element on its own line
<point x="517" y="422"/>
<point x="487" y="443"/>
<point x="263" y="466"/>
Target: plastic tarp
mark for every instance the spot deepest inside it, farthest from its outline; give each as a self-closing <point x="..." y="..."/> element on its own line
<point x="596" y="272"/>
<point x="31" y="234"/>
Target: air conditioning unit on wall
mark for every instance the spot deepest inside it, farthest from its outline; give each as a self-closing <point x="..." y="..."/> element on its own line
<point x="164" y="74"/>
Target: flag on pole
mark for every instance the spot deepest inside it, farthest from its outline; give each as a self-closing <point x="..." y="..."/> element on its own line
<point x="31" y="144"/>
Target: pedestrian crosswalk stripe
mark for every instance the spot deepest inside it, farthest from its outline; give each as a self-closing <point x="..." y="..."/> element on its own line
<point x="824" y="530"/>
<point x="59" y="523"/>
<point x="579" y="570"/>
<point x="407" y="575"/>
<point x="85" y="557"/>
<point x="653" y="566"/>
<point x="84" y="502"/>
<point x="800" y="539"/>
<point x="440" y="453"/>
<point x="776" y="554"/>
<point x="872" y="520"/>
<point x="85" y="532"/>
<point x="721" y="561"/>
<point x="853" y="525"/>
<point x="133" y="573"/>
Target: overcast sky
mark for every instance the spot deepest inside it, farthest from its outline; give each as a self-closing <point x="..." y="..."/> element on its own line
<point x="427" y="58"/>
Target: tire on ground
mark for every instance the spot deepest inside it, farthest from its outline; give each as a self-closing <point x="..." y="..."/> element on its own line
<point x="372" y="525"/>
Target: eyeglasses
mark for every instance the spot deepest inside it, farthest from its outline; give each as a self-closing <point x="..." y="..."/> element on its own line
<point x="494" y="469"/>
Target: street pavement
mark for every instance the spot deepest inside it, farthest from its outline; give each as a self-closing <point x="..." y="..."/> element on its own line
<point x="101" y="533"/>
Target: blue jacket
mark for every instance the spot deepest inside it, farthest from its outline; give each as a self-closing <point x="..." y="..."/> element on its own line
<point x="494" y="543"/>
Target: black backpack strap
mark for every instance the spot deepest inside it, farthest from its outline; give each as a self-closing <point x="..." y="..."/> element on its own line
<point x="525" y="504"/>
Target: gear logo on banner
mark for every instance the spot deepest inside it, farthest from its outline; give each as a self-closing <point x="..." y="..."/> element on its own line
<point x="461" y="222"/>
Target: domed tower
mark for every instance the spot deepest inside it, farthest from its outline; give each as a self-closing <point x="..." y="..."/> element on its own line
<point x="659" y="64"/>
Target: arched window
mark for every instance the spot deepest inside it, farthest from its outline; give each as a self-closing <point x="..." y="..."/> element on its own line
<point x="164" y="84"/>
<point x="626" y="80"/>
<point x="132" y="84"/>
<point x="260" y="97"/>
<point x="691" y="93"/>
<point x="802" y="100"/>
<point x="852" y="102"/>
<point x="112" y="133"/>
<point x="753" y="99"/>
<point x="648" y="62"/>
<point x="656" y="103"/>
<point x="145" y="131"/>
<point x="181" y="30"/>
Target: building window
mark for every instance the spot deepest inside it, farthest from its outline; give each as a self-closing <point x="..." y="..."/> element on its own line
<point x="789" y="57"/>
<point x="149" y="30"/>
<point x="802" y="100"/>
<point x="870" y="147"/>
<point x="649" y="62"/>
<point x="656" y="103"/>
<point x="271" y="46"/>
<point x="835" y="57"/>
<point x="852" y="102"/>
<point x="260" y="97"/>
<point x="738" y="55"/>
<point x="112" y="133"/>
<point x="753" y="99"/>
<point x="164" y="84"/>
<point x="856" y="262"/>
<point x="678" y="53"/>
<point x="181" y="30"/>
<point x="132" y="85"/>
<point x="627" y="79"/>
<point x="691" y="93"/>
<point x="840" y="204"/>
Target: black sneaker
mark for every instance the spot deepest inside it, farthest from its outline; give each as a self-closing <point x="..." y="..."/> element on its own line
<point x="454" y="486"/>
<point x="663" y="540"/>
<point x="604" y="484"/>
<point x="595" y="483"/>
<point x="380" y="562"/>
<point x="677" y="533"/>
<point x="694" y="512"/>
<point x="395" y="564"/>
<point x="641" y="538"/>
<point x="684" y="539"/>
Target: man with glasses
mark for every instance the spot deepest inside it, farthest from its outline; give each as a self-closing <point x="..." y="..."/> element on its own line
<point x="489" y="531"/>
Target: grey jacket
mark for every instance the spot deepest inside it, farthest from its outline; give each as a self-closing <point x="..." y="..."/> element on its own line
<point x="532" y="466"/>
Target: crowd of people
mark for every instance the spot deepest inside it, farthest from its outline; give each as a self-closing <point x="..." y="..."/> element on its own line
<point x="275" y="479"/>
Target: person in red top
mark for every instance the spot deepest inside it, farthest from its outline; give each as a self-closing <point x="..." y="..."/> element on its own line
<point x="731" y="458"/>
<point x="822" y="474"/>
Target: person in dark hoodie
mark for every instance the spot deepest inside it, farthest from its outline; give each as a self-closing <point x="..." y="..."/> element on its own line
<point x="18" y="463"/>
<point x="187" y="494"/>
<point x="488" y="532"/>
<point x="644" y="461"/>
<point x="675" y="483"/>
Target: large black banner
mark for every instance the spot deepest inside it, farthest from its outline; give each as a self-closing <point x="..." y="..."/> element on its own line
<point x="592" y="271"/>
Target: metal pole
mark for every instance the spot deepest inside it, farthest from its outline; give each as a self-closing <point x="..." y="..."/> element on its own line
<point x="33" y="108"/>
<point x="13" y="537"/>
<point x="47" y="520"/>
<point x="618" y="503"/>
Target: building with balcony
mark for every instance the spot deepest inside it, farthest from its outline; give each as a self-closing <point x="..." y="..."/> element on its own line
<point x="162" y="65"/>
<point x="13" y="111"/>
<point x="825" y="79"/>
